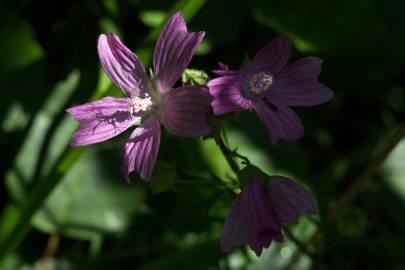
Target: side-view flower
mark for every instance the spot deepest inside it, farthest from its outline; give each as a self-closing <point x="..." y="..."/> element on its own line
<point x="269" y="86"/>
<point x="256" y="215"/>
<point x="148" y="101"/>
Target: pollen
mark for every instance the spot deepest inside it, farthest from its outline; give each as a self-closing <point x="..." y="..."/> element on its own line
<point x="138" y="104"/>
<point x="260" y="82"/>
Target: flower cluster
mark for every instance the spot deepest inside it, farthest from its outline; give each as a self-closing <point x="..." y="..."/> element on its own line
<point x="266" y="85"/>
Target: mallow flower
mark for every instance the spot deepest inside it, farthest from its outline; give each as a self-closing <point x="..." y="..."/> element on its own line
<point x="148" y="101"/>
<point x="269" y="86"/>
<point x="256" y="215"/>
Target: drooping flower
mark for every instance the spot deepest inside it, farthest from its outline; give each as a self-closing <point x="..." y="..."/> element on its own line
<point x="147" y="102"/>
<point x="269" y="86"/>
<point x="256" y="215"/>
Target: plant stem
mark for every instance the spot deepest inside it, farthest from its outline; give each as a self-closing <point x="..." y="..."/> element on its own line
<point x="228" y="154"/>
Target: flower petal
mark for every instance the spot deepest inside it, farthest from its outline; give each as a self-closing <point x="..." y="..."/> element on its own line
<point x="122" y="66"/>
<point x="141" y="149"/>
<point x="257" y="208"/>
<point x="297" y="84"/>
<point x="173" y="52"/>
<point x="289" y="199"/>
<point x="185" y="111"/>
<point x="227" y="95"/>
<point x="100" y="120"/>
<point x="235" y="232"/>
<point x="280" y="121"/>
<point x="273" y="56"/>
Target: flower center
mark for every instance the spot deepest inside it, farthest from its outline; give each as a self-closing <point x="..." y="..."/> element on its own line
<point x="260" y="82"/>
<point x="138" y="104"/>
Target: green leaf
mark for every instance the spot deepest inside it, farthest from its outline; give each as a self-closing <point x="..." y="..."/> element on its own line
<point x="88" y="201"/>
<point x="194" y="77"/>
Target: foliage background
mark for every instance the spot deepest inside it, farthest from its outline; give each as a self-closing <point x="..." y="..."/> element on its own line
<point x="86" y="217"/>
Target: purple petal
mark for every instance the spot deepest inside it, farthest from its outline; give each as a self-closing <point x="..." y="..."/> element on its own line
<point x="235" y="232"/>
<point x="122" y="66"/>
<point x="259" y="215"/>
<point x="280" y="121"/>
<point x="227" y="95"/>
<point x="185" y="111"/>
<point x="224" y="70"/>
<point x="141" y="149"/>
<point x="297" y="84"/>
<point x="173" y="52"/>
<point x="100" y="120"/>
<point x="289" y="199"/>
<point x="257" y="208"/>
<point x="273" y="56"/>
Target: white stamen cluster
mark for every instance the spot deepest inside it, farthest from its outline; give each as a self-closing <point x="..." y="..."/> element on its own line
<point x="260" y="82"/>
<point x="138" y="104"/>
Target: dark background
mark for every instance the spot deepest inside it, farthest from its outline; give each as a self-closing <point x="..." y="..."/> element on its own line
<point x="92" y="219"/>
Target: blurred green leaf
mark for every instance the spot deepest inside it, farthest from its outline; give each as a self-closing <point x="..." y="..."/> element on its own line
<point x="28" y="160"/>
<point x="393" y="169"/>
<point x="152" y="18"/>
<point x="88" y="202"/>
<point x="20" y="48"/>
<point x="215" y="160"/>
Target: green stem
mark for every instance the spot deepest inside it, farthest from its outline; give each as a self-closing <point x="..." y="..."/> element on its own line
<point x="228" y="154"/>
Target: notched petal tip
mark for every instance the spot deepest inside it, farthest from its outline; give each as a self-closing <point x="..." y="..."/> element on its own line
<point x="173" y="51"/>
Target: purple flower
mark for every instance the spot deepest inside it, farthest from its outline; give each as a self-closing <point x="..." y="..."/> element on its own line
<point x="269" y="86"/>
<point x="257" y="213"/>
<point x="147" y="102"/>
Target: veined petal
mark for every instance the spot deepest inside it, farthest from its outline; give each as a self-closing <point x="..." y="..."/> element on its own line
<point x="289" y="199"/>
<point x="273" y="56"/>
<point x="235" y="232"/>
<point x="141" y="149"/>
<point x="122" y="66"/>
<point x="173" y="52"/>
<point x="297" y="84"/>
<point x="100" y="120"/>
<point x="280" y="121"/>
<point x="257" y="208"/>
<point x="227" y="95"/>
<point x="185" y="111"/>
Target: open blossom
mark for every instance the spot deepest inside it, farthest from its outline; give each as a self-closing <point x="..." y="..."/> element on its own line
<point x="269" y="86"/>
<point x="256" y="215"/>
<point x="147" y="102"/>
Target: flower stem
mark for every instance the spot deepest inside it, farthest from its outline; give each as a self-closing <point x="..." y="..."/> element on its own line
<point x="228" y="154"/>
